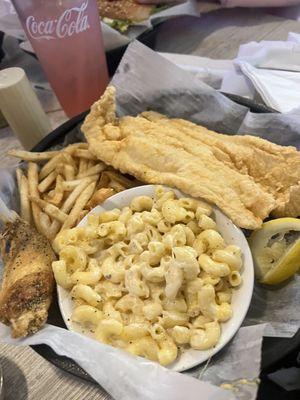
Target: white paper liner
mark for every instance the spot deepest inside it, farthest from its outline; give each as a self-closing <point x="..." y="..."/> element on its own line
<point x="122" y="375"/>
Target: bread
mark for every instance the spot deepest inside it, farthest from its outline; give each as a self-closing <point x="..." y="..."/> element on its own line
<point x="28" y="281"/>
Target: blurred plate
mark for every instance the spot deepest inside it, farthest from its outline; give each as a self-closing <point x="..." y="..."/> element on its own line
<point x="241" y="297"/>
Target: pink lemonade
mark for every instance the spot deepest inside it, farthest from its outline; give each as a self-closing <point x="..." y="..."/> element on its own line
<point x="66" y="36"/>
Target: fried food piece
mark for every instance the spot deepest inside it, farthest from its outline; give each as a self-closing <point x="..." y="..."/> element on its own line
<point x="246" y="177"/>
<point x="99" y="197"/>
<point x="28" y="280"/>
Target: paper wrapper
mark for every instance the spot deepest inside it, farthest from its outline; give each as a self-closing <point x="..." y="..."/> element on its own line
<point x="123" y="376"/>
<point x="228" y="363"/>
<point x="10" y="24"/>
<point x="145" y="80"/>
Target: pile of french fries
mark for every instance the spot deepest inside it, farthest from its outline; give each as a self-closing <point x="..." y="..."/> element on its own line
<point x="61" y="187"/>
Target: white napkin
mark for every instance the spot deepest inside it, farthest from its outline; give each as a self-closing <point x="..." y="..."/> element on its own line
<point x="294" y="37"/>
<point x="270" y="68"/>
<point x="205" y="69"/>
<point x="279" y="89"/>
<point x="219" y="74"/>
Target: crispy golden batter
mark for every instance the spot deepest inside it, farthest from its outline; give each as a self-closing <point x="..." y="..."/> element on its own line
<point x="246" y="177"/>
<point x="28" y="280"/>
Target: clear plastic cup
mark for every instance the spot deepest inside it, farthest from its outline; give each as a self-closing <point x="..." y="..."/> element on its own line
<point x="66" y="36"/>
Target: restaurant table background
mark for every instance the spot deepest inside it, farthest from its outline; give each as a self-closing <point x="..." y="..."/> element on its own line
<point x="218" y="35"/>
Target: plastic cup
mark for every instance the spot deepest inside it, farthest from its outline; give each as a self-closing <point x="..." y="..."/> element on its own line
<point x="66" y="37"/>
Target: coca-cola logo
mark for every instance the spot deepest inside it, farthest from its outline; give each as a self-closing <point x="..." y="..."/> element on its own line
<point x="72" y="21"/>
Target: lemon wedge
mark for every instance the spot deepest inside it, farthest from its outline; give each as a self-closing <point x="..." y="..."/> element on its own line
<point x="276" y="250"/>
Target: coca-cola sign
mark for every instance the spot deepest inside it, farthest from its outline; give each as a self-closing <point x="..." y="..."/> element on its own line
<point x="72" y="21"/>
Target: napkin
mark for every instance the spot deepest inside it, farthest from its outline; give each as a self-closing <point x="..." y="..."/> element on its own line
<point x="269" y="69"/>
<point x="205" y="69"/>
<point x="213" y="73"/>
<point x="272" y="68"/>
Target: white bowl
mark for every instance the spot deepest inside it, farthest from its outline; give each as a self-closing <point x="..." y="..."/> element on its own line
<point x="240" y="299"/>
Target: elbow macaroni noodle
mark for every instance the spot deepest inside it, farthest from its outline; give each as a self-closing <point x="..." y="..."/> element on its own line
<point x="153" y="278"/>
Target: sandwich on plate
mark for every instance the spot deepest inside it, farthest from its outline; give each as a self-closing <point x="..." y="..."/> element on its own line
<point x="121" y="14"/>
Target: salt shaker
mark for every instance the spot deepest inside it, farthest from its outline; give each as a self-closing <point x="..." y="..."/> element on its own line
<point x="21" y="107"/>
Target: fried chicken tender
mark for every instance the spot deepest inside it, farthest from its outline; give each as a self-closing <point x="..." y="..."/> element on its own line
<point x="28" y="280"/>
<point x="246" y="177"/>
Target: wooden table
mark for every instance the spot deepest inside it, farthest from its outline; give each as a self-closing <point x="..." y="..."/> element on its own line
<point x="216" y="35"/>
<point x="219" y="34"/>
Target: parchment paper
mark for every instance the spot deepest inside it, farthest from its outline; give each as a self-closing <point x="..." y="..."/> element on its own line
<point x="145" y="80"/>
<point x="156" y="83"/>
<point x="229" y="362"/>
<point x="138" y="378"/>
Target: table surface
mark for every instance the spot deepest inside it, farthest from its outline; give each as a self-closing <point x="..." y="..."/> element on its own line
<point x="217" y="34"/>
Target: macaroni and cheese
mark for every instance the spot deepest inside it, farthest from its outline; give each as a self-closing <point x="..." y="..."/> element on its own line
<point x="153" y="278"/>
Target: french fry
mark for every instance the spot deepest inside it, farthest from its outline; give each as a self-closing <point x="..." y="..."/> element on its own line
<point x="32" y="156"/>
<point x="49" y="195"/>
<point x="115" y="176"/>
<point x="83" y="164"/>
<point x="91" y="163"/>
<point x="103" y="181"/>
<point x="50" y="209"/>
<point x="50" y="166"/>
<point x="54" y="229"/>
<point x="81" y="153"/>
<point x="71" y="185"/>
<point x="75" y="146"/>
<point x="81" y="182"/>
<point x="45" y="224"/>
<point x="96" y="169"/>
<point x="68" y="204"/>
<point x="47" y="182"/>
<point x="69" y="172"/>
<point x="117" y="186"/>
<point x="24" y="199"/>
<point x="81" y="215"/>
<point x="58" y="192"/>
<point x="33" y="181"/>
<point x="68" y="159"/>
<point x="79" y="205"/>
<point x="99" y="197"/>
<point x="70" y="201"/>
<point x="60" y="168"/>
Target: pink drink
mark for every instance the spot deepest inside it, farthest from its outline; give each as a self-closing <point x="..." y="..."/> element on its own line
<point x="66" y="36"/>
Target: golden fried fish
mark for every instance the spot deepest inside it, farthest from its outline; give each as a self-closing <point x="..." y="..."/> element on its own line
<point x="246" y="177"/>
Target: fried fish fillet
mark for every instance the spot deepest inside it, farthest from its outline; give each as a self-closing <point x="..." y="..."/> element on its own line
<point x="246" y="177"/>
<point x="28" y="280"/>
